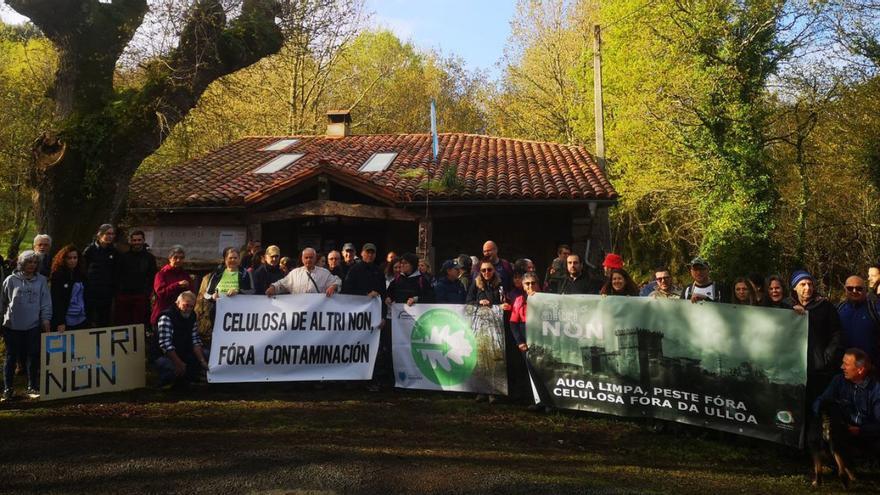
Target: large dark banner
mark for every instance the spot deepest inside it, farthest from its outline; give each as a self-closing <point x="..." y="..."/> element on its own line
<point x="739" y="369"/>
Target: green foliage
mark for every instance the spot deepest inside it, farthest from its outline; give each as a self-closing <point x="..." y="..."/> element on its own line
<point x="25" y="77"/>
<point x="686" y="117"/>
<point x="446" y="182"/>
<point x="386" y="83"/>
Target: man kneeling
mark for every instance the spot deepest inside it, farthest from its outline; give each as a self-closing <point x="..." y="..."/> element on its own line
<point x="183" y="356"/>
<point x="847" y="416"/>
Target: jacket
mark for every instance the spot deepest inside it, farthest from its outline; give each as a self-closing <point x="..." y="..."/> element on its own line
<point x="135" y="271"/>
<point x="264" y="276"/>
<point x="61" y="290"/>
<point x="861" y="402"/>
<point x="25" y="303"/>
<point x="860" y="327"/>
<point x="783" y="304"/>
<point x="503" y="269"/>
<point x="494" y="294"/>
<point x="245" y="282"/>
<point x="579" y="285"/>
<point x="449" y="292"/>
<point x="823" y="336"/>
<point x="414" y="285"/>
<point x="100" y="265"/>
<point x="363" y="278"/>
<point x="166" y="286"/>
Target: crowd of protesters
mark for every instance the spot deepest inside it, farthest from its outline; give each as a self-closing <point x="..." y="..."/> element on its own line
<point x="103" y="285"/>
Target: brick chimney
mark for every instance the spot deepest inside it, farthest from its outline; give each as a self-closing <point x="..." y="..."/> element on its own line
<point x="338" y="123"/>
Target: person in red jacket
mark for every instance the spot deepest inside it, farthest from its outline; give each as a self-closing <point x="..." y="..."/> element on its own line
<point x="518" y="330"/>
<point x="170" y="282"/>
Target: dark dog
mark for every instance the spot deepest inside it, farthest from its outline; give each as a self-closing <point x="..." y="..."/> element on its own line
<point x="834" y="440"/>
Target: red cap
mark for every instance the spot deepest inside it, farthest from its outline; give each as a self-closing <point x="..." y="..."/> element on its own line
<point x="612" y="261"/>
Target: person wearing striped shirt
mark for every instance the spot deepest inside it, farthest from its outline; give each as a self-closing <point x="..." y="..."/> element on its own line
<point x="183" y="355"/>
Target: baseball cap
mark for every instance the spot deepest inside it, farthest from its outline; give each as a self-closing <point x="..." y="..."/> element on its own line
<point x="449" y="264"/>
<point x="698" y="261"/>
<point x="368" y="247"/>
<point x="347" y="246"/>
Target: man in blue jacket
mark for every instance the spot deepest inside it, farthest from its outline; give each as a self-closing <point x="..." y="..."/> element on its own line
<point x="448" y="288"/>
<point x="859" y="319"/>
<point x="850" y="414"/>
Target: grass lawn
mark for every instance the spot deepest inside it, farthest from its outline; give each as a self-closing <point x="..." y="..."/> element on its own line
<point x="282" y="438"/>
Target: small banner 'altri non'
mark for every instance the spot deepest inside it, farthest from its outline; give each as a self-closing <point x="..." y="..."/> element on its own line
<point x="740" y="369"/>
<point x="449" y="347"/>
<point x="92" y="361"/>
<point x="300" y="337"/>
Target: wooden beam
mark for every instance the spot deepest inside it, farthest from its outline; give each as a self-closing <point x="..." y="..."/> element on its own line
<point x="327" y="208"/>
<point x="426" y="238"/>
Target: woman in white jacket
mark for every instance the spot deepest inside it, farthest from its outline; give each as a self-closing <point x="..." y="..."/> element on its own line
<point x="26" y="309"/>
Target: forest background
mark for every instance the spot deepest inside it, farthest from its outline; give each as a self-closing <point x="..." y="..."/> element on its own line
<point x="747" y="131"/>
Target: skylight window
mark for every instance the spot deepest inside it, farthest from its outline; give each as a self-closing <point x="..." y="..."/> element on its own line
<point x="378" y="162"/>
<point x="280" y="145"/>
<point x="280" y="162"/>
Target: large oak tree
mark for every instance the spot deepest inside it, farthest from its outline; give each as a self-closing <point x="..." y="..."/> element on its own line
<point x="82" y="168"/>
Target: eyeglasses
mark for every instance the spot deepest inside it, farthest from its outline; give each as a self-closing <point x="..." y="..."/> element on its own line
<point x="663" y="278"/>
<point x="855" y="289"/>
<point x="486" y="270"/>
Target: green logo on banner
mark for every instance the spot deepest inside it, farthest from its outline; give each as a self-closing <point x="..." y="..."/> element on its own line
<point x="443" y="347"/>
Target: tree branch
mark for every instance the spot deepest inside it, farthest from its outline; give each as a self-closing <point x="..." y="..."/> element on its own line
<point x="90" y="37"/>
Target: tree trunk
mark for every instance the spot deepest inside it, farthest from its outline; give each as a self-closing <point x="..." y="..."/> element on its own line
<point x="81" y="170"/>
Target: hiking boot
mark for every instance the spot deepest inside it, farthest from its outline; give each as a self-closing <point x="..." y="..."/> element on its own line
<point x="32" y="393"/>
<point x="8" y="394"/>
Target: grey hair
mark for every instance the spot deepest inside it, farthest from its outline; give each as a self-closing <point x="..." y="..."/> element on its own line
<point x="104" y="228"/>
<point x="176" y="249"/>
<point x="26" y="256"/>
<point x="530" y="276"/>
<point x="187" y="294"/>
<point x="41" y="237"/>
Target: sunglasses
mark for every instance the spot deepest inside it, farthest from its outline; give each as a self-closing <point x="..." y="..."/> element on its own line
<point x="529" y="283"/>
<point x="855" y="289"/>
<point x="486" y="270"/>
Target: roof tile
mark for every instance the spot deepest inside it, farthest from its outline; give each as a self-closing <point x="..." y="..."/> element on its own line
<point x="488" y="168"/>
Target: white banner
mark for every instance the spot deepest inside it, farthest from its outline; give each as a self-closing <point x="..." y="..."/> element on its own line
<point x="294" y="338"/>
<point x="449" y="347"/>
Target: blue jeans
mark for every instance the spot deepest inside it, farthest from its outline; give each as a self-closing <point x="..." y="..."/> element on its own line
<point x="22" y="345"/>
<point x="165" y="367"/>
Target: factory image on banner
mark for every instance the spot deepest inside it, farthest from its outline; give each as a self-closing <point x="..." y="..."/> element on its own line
<point x="638" y="358"/>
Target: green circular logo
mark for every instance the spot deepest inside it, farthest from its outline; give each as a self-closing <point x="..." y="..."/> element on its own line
<point x="443" y="347"/>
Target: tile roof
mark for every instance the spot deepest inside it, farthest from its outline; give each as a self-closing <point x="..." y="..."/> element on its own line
<point x="488" y="168"/>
